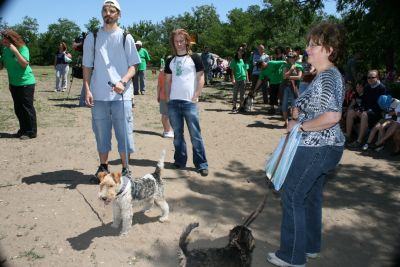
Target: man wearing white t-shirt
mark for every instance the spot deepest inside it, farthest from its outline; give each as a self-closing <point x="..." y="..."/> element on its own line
<point x="109" y="61"/>
<point x="184" y="82"/>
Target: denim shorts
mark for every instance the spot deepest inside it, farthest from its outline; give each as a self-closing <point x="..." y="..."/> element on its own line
<point x="110" y="114"/>
<point x="163" y="108"/>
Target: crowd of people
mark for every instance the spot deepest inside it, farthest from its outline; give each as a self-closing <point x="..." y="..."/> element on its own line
<point x="305" y="87"/>
<point x="367" y="120"/>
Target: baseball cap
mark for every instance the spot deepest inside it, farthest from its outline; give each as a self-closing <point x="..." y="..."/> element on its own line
<point x="138" y="43"/>
<point x="112" y="3"/>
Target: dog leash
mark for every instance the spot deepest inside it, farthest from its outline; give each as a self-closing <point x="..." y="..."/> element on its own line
<point x="125" y="135"/>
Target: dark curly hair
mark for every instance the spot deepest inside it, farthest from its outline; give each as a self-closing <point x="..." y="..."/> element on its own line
<point x="329" y="35"/>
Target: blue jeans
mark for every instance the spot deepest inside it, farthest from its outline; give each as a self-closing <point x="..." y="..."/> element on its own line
<point x="303" y="86"/>
<point x="178" y="111"/>
<point x="288" y="96"/>
<point x="301" y="197"/>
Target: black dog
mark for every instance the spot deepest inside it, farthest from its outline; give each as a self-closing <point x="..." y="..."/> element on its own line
<point x="238" y="252"/>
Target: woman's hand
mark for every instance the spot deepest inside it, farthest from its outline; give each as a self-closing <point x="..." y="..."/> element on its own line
<point x="290" y="125"/>
<point x="295" y="113"/>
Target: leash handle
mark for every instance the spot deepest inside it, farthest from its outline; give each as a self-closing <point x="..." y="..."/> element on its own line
<point x="125" y="135"/>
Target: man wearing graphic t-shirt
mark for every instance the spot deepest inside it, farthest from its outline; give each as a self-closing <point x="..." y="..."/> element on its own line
<point x="184" y="82"/>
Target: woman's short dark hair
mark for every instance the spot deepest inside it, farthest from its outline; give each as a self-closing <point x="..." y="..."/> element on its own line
<point x="329" y="35"/>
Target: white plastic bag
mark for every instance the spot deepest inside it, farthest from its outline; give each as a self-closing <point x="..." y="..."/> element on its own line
<point x="279" y="163"/>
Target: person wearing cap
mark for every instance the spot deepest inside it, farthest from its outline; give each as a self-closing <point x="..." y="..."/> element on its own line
<point x="107" y="75"/>
<point x="140" y="76"/>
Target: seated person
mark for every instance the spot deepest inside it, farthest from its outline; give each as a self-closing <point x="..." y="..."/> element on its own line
<point x="387" y="127"/>
<point x="368" y="111"/>
<point x="396" y="140"/>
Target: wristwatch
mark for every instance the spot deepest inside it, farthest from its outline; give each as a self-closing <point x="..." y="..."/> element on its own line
<point x="123" y="83"/>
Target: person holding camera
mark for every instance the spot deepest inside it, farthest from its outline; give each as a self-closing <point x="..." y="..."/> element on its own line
<point x="77" y="71"/>
<point x="107" y="75"/>
<point x="61" y="64"/>
<point x="15" y="59"/>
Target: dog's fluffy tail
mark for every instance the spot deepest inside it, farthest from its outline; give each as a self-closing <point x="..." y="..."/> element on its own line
<point x="183" y="243"/>
<point x="160" y="166"/>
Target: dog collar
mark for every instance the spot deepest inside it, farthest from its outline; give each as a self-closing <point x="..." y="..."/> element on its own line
<point x="125" y="182"/>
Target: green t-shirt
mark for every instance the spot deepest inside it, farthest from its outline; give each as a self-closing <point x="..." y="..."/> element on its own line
<point x="17" y="75"/>
<point x="274" y="71"/>
<point x="288" y="65"/>
<point x="239" y="69"/>
<point x="144" y="57"/>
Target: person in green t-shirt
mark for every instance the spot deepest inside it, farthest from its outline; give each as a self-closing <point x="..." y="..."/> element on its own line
<point x="21" y="81"/>
<point x="140" y="76"/>
<point x="272" y="71"/>
<point x="239" y="77"/>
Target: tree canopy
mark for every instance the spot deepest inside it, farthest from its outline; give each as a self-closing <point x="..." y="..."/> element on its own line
<point x="372" y="29"/>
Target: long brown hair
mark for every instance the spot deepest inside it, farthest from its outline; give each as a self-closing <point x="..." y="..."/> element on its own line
<point x="13" y="37"/>
<point x="64" y="46"/>
<point x="185" y="35"/>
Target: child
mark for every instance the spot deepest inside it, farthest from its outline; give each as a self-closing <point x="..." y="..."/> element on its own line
<point x="387" y="127"/>
<point x="161" y="98"/>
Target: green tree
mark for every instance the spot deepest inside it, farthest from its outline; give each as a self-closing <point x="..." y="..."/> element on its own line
<point x="63" y="31"/>
<point x="373" y="29"/>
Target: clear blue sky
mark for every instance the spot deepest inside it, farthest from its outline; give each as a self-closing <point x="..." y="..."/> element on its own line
<point x="80" y="11"/>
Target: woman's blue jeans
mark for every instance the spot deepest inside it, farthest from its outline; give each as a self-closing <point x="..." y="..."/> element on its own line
<point x="178" y="112"/>
<point x="301" y="197"/>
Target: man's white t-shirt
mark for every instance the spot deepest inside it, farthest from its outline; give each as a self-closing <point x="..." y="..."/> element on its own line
<point x="111" y="62"/>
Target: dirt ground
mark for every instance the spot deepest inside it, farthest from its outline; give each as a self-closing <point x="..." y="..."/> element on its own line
<point x="50" y="214"/>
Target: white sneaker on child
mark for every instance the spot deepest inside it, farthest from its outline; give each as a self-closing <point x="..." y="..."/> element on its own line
<point x="168" y="134"/>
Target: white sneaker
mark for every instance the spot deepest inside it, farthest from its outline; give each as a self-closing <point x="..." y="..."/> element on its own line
<point x="312" y="255"/>
<point x="365" y="147"/>
<point x="168" y="134"/>
<point x="272" y="258"/>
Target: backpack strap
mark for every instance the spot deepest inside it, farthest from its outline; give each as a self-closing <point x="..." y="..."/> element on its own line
<point x="94" y="32"/>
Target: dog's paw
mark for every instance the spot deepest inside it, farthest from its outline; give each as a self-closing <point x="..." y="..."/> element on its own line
<point x="123" y="233"/>
<point x="163" y="219"/>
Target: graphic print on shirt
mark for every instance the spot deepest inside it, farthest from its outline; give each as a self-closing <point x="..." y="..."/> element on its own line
<point x="178" y="68"/>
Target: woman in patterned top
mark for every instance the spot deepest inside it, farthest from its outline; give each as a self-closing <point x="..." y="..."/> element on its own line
<point x="318" y="111"/>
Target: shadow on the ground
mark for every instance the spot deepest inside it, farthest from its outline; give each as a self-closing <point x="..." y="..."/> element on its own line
<point x="83" y="241"/>
<point x="370" y="197"/>
<point x="8" y="135"/>
<point x="147" y="132"/>
<point x="71" y="178"/>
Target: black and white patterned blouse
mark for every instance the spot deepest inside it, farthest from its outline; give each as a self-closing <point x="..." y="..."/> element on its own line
<point x="325" y="94"/>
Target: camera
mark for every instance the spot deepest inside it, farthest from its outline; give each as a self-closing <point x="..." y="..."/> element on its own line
<point x="78" y="42"/>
